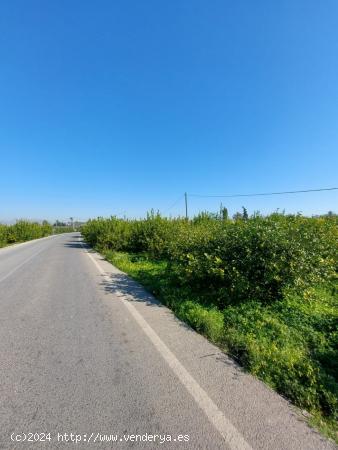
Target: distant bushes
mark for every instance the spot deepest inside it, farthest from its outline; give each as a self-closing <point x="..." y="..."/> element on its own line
<point x="23" y="231"/>
<point x="152" y="235"/>
<point x="62" y="229"/>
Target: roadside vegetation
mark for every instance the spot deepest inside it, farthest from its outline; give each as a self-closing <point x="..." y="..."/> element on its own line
<point x="24" y="230"/>
<point x="263" y="288"/>
<point x="63" y="229"/>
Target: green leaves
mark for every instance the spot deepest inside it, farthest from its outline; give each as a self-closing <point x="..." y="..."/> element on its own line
<point x="23" y="230"/>
<point x="258" y="258"/>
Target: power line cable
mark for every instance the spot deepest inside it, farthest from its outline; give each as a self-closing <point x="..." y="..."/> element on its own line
<point x="263" y="193"/>
<point x="174" y="204"/>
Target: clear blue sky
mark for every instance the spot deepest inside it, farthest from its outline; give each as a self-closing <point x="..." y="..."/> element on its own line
<point x="120" y="106"/>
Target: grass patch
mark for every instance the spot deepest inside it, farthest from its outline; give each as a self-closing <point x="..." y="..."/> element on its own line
<point x="291" y="344"/>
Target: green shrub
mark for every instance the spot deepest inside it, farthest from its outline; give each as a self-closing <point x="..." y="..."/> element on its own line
<point x="152" y="235"/>
<point x="257" y="258"/>
<point x="23" y="230"/>
<point x="3" y="235"/>
<point x="62" y="229"/>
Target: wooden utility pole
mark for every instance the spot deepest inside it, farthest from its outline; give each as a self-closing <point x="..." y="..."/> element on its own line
<point x="186" y="205"/>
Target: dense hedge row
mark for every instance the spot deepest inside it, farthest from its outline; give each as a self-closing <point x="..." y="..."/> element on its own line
<point x="23" y="231"/>
<point x="258" y="258"/>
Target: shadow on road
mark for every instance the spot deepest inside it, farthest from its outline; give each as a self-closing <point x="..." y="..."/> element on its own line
<point x="72" y="244"/>
<point x="122" y="284"/>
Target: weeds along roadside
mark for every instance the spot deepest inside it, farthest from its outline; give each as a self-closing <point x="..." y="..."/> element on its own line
<point x="263" y="288"/>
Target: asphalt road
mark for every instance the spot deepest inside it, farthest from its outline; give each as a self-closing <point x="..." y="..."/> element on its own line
<point x="85" y="350"/>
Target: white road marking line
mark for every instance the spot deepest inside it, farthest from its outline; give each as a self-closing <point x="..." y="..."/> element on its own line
<point x="21" y="264"/>
<point x="228" y="431"/>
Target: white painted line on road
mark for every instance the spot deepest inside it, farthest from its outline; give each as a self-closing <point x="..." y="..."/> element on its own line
<point x="228" y="431"/>
<point x="21" y="264"/>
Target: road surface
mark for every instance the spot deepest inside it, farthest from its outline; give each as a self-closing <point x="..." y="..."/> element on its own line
<point x="85" y="350"/>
